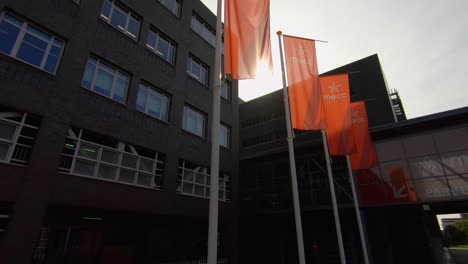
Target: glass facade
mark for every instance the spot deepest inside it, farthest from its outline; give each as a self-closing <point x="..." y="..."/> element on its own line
<point x="430" y="166"/>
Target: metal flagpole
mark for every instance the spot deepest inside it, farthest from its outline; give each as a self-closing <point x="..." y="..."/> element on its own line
<point x="292" y="161"/>
<point x="358" y="213"/>
<point x="332" y="191"/>
<point x="214" y="183"/>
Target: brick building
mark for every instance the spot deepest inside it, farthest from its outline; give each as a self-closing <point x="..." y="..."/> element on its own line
<point x="105" y="110"/>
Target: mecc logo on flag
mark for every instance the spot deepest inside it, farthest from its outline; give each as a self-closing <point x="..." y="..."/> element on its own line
<point x="357" y="116"/>
<point x="335" y="94"/>
<point x="301" y="57"/>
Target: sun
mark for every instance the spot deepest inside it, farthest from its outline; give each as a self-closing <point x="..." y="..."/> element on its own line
<point x="266" y="82"/>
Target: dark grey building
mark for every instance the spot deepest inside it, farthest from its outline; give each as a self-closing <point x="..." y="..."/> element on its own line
<point x="105" y="110"/>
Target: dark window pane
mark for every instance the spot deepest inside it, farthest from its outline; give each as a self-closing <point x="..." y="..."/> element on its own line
<point x="51" y="63"/>
<point x="88" y="75"/>
<point x="163" y="47"/>
<point x="133" y="27"/>
<point x="171" y="55"/>
<point x="106" y="8"/>
<point x="120" y="91"/>
<point x="419" y="146"/>
<point x="390" y="150"/>
<point x="8" y="35"/>
<point x="32" y="50"/>
<point x="151" y="40"/>
<point x="154" y="108"/>
<point x="119" y="19"/>
<point x="452" y="140"/>
<point x="196" y="70"/>
<point x="103" y="83"/>
<point x="141" y="100"/>
<point x="38" y="33"/>
<point x="7" y="131"/>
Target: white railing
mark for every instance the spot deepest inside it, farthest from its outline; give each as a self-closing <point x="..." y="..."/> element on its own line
<point x="17" y="138"/>
<point x="196" y="182"/>
<point x="90" y="159"/>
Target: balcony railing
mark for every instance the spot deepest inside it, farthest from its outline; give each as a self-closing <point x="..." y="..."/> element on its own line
<point x="90" y="159"/>
<point x="16" y="138"/>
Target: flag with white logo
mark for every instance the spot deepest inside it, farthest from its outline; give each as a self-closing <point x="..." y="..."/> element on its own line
<point x="364" y="157"/>
<point x="336" y="107"/>
<point x="303" y="83"/>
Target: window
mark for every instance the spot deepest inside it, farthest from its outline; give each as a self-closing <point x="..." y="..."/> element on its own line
<point x="17" y="135"/>
<point x="91" y="155"/>
<point x="226" y="90"/>
<point x="105" y="80"/>
<point x="29" y="44"/>
<point x="197" y="70"/>
<point x="121" y="19"/>
<point x="194" y="180"/>
<point x="225" y="135"/>
<point x="194" y="121"/>
<point x="161" y="45"/>
<point x="203" y="29"/>
<point x="173" y="6"/>
<point x="152" y="102"/>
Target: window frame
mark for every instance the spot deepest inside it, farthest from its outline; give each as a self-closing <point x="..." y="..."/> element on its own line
<point x="129" y="15"/>
<point x="179" y="7"/>
<point x="23" y="30"/>
<point x="208" y="33"/>
<point x="203" y="66"/>
<point x="228" y="85"/>
<point x="228" y="136"/>
<point x="115" y="75"/>
<point x="151" y="90"/>
<point x="171" y="44"/>
<point x="200" y="115"/>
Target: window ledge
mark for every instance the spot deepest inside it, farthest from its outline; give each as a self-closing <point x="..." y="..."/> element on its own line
<point x="150" y="117"/>
<point x="112" y="181"/>
<point x="103" y="96"/>
<point x="194" y="135"/>
<point x="156" y="54"/>
<point x="197" y="81"/>
<point x="16" y="60"/>
<point x="135" y="41"/>
<point x="12" y="164"/>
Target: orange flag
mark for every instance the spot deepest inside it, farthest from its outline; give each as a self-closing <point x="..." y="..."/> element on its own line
<point x="247" y="37"/>
<point x="364" y="157"/>
<point x="336" y="108"/>
<point x="303" y="81"/>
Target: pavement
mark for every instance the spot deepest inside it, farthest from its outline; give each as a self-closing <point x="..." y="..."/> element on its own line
<point x="447" y="257"/>
<point x="459" y="255"/>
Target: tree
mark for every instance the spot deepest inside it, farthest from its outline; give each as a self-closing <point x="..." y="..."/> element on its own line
<point x="457" y="233"/>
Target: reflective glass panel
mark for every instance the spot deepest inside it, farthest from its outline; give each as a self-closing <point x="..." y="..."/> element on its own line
<point x="8" y="34"/>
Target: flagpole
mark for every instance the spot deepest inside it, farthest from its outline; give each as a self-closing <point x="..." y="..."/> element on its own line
<point x="332" y="191"/>
<point x="214" y="181"/>
<point x="358" y="213"/>
<point x="292" y="161"/>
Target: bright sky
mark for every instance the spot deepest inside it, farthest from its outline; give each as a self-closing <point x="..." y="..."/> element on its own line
<point x="422" y="45"/>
